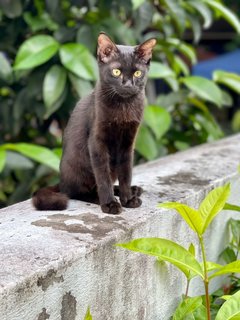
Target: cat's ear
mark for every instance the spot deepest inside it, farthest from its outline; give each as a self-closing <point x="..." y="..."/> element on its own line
<point x="106" y="48"/>
<point x="144" y="50"/>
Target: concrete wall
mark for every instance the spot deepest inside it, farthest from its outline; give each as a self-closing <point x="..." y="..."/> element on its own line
<point x="53" y="265"/>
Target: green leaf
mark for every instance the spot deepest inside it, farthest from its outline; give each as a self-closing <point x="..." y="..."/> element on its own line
<point x="159" y="70"/>
<point x="186" y="307"/>
<point x="226" y="297"/>
<point x="233" y="267"/>
<point x="230" y="308"/>
<point x="231" y="80"/>
<point x="211" y="266"/>
<point x="188" y="273"/>
<point x="204" y="88"/>
<point x="233" y="207"/>
<point x="158" y="119"/>
<point x="5" y="68"/>
<point x="228" y="255"/>
<point x="78" y="59"/>
<point x="234" y="228"/>
<point x="17" y="161"/>
<point x="173" y="83"/>
<point x="40" y="22"/>
<point x="205" y="12"/>
<point x="196" y="27"/>
<point x="227" y="14"/>
<point x="236" y="121"/>
<point x="145" y="143"/>
<point x="137" y="3"/>
<point x="177" y="14"/>
<point x="191" y="216"/>
<point x="199" y="313"/>
<point x="213" y="204"/>
<point x="82" y="87"/>
<point x="184" y="48"/>
<point x="188" y="51"/>
<point x="227" y="99"/>
<point x="57" y="104"/>
<point x="53" y="85"/>
<point x="35" y="51"/>
<point x="2" y="159"/>
<point x="171" y="99"/>
<point x="181" y="66"/>
<point x="37" y="153"/>
<point x="58" y="152"/>
<point x="208" y="123"/>
<point x="191" y="249"/>
<point x="199" y="104"/>
<point x="88" y="315"/>
<point x="165" y="250"/>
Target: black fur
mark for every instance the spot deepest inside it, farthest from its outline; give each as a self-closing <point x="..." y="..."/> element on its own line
<point x="99" y="138"/>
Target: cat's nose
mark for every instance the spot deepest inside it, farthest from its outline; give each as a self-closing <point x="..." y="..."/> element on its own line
<point x="127" y="83"/>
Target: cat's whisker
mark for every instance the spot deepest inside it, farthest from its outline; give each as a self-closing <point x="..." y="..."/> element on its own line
<point x="109" y="93"/>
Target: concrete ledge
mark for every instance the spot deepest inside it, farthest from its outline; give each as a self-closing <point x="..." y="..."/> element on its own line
<point x="53" y="265"/>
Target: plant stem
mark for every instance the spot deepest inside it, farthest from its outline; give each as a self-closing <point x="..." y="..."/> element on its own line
<point x="206" y="280"/>
<point x="186" y="293"/>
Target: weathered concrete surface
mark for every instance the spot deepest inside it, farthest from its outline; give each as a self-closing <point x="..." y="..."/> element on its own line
<point x="53" y="265"/>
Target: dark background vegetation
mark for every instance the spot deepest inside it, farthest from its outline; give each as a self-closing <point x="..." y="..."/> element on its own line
<point x="47" y="62"/>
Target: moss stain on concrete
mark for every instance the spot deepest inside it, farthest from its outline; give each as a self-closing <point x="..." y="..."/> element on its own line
<point x="69" y="307"/>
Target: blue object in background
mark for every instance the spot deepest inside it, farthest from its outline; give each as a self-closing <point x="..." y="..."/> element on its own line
<point x="229" y="62"/>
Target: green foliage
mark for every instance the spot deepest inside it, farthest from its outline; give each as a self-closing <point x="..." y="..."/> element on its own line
<point x="88" y="315"/>
<point x="2" y="158"/>
<point x="35" y="51"/>
<point x="166" y="250"/>
<point x="225" y="13"/>
<point x="204" y="88"/>
<point x="229" y="268"/>
<point x="187" y="307"/>
<point x="47" y="62"/>
<point x="37" y="153"/>
<point x="232" y="207"/>
<point x="77" y="59"/>
<point x="53" y="87"/>
<point x="156" y="123"/>
<point x="236" y="121"/>
<point x="231" y="80"/>
<point x="230" y="310"/>
<point x="199" y="220"/>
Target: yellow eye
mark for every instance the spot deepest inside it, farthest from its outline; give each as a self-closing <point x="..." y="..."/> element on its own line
<point x="137" y="74"/>
<point x="116" y="72"/>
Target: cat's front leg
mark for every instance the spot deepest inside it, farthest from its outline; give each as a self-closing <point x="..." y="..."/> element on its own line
<point x="100" y="165"/>
<point x="129" y="196"/>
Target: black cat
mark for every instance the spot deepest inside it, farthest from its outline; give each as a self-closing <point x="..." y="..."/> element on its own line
<point x="99" y="139"/>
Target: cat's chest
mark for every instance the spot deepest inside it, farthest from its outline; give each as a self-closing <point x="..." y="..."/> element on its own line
<point x="118" y="135"/>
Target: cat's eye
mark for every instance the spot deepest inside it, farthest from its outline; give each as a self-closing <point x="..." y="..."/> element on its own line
<point x="116" y="72"/>
<point x="137" y="74"/>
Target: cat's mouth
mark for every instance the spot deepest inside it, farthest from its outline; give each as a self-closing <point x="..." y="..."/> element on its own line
<point x="126" y="92"/>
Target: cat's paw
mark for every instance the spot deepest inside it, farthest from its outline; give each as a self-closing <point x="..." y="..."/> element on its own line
<point x="134" y="202"/>
<point x="136" y="191"/>
<point x="112" y="207"/>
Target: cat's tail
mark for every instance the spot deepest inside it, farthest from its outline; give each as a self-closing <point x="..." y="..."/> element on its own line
<point x="50" y="198"/>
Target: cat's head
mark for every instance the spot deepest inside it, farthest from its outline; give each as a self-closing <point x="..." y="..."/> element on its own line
<point x="123" y="69"/>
